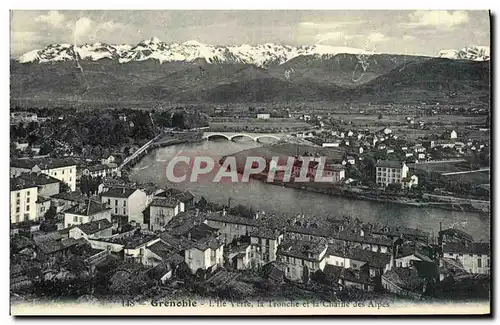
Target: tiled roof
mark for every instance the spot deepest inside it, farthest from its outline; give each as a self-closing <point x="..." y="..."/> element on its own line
<point x="457" y="233"/>
<point x="43" y="163"/>
<point x="390" y="164"/>
<point x="166" y="252"/>
<point x="119" y="192"/>
<point x="471" y="248"/>
<point x="231" y="219"/>
<point x="38" y="178"/>
<point x="70" y="196"/>
<point x="305" y="250"/>
<point x="405" y="278"/>
<point x="49" y="247"/>
<point x="87" y="208"/>
<point x="92" y="227"/>
<point x="374" y="259"/>
<point x="356" y="276"/>
<point x="263" y="232"/>
<point x="166" y="203"/>
<point x="17" y="184"/>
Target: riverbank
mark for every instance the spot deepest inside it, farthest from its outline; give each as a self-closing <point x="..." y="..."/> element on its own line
<point x="357" y="193"/>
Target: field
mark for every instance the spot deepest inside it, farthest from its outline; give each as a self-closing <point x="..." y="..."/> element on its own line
<point x="471" y="178"/>
<point x="438" y="167"/>
<point x="254" y="124"/>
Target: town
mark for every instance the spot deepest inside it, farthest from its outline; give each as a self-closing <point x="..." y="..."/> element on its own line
<point x="80" y="228"/>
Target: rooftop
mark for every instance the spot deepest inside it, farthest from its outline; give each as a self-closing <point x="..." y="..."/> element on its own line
<point x="471" y="248"/>
<point x="38" y="178"/>
<point x="390" y="164"/>
<point x="99" y="167"/>
<point x="119" y="192"/>
<point x="131" y="239"/>
<point x="406" y="278"/>
<point x="70" y="196"/>
<point x="231" y="219"/>
<point x="166" y="203"/>
<point x="17" y="184"/>
<point x="305" y="250"/>
<point x="263" y="232"/>
<point x="92" y="227"/>
<point x="166" y="252"/>
<point x="43" y="163"/>
<point x="87" y="208"/>
<point x="52" y="246"/>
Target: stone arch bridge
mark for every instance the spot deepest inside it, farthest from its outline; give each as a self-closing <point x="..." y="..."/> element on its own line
<point x="234" y="135"/>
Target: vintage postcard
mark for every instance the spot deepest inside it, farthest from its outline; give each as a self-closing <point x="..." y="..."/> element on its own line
<point x="238" y="162"/>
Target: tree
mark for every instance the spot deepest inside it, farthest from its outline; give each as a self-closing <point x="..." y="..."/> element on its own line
<point x="64" y="187"/>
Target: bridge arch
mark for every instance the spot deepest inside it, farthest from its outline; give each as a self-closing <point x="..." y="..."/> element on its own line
<point x="269" y="136"/>
<point x="218" y="135"/>
<point x="242" y="135"/>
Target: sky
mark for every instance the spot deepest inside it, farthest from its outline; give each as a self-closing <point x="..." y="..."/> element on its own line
<point x="405" y="32"/>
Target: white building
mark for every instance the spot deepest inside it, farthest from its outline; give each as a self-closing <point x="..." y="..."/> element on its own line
<point x="128" y="202"/>
<point x="205" y="254"/>
<point x="161" y="211"/>
<point x="61" y="169"/>
<point x="23" y="197"/>
<point x="84" y="212"/>
<point x="231" y="227"/>
<point x="94" y="230"/>
<point x="475" y="257"/>
<point x="23" y="117"/>
<point x="265" y="244"/>
<point x="391" y="171"/>
<point x="263" y="116"/>
<point x="303" y="258"/>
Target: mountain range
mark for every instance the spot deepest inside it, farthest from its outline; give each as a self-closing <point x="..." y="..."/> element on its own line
<point x="154" y="72"/>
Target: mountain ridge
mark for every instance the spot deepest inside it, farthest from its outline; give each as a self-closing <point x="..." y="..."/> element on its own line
<point x="261" y="55"/>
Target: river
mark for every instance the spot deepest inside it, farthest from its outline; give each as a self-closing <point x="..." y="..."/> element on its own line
<point x="276" y="199"/>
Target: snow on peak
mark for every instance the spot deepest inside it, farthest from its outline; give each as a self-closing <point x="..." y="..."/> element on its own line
<point x="473" y="53"/>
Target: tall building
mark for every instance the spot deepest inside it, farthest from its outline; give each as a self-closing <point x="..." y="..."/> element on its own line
<point x="61" y="169"/>
<point x="391" y="171"/>
<point x="23" y="197"/>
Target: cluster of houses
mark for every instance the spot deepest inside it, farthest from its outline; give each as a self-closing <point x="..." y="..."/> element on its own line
<point x="161" y="229"/>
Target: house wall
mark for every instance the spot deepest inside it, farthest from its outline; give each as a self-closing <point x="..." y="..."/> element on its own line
<point x="230" y="231"/>
<point x="268" y="247"/>
<point x="405" y="261"/>
<point x="42" y="208"/>
<point x="477" y="263"/>
<point x="131" y="207"/>
<point x="75" y="219"/>
<point x="361" y="286"/>
<point x="66" y="174"/>
<point x="78" y="233"/>
<point x="99" y="244"/>
<point x="160" y="216"/>
<point x="48" y="189"/>
<point x="338" y="261"/>
<point x="197" y="259"/>
<point x="295" y="266"/>
<point x="23" y="205"/>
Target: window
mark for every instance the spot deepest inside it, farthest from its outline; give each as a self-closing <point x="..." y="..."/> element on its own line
<point x="55" y="173"/>
<point x="28" y="200"/>
<point x="17" y="202"/>
<point x="267" y="242"/>
<point x="116" y="202"/>
<point x="17" y="209"/>
<point x="18" y="194"/>
<point x="124" y="203"/>
<point x="124" y="211"/>
<point x="27" y="208"/>
<point x="470" y="255"/>
<point x="27" y="193"/>
<point x="109" y="201"/>
<point x="63" y="172"/>
<point x="460" y="255"/>
<point x="116" y="210"/>
<point x="479" y="262"/>
<point x="75" y="219"/>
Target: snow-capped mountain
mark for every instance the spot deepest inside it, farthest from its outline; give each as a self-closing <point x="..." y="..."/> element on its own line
<point x="473" y="53"/>
<point x="190" y="51"/>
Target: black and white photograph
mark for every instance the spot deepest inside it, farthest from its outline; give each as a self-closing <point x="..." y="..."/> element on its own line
<point x="250" y="162"/>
